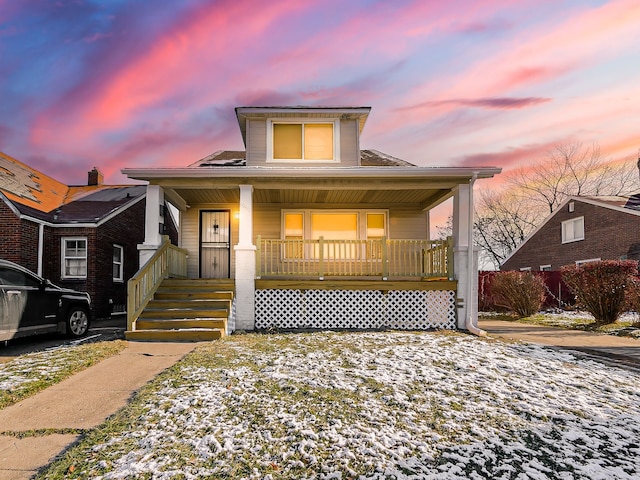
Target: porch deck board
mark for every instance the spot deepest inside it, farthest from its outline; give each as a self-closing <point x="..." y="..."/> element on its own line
<point x="334" y="284"/>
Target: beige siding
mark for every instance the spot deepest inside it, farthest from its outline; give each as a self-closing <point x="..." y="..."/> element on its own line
<point x="349" y="146"/>
<point x="407" y="224"/>
<point x="190" y="238"/>
<point x="256" y="142"/>
<point x="404" y="223"/>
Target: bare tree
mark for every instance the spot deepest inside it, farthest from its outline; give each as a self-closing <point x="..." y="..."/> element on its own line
<point x="504" y="219"/>
<point x="572" y="169"/>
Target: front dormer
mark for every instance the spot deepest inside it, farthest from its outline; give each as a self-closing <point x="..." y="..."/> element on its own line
<point x="302" y="136"/>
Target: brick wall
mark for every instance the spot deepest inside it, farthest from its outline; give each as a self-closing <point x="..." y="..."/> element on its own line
<point x="609" y="235"/>
<point x="10" y="234"/>
<point x="18" y="239"/>
<point x="126" y="230"/>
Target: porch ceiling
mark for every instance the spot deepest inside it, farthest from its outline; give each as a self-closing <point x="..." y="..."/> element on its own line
<point x="422" y="197"/>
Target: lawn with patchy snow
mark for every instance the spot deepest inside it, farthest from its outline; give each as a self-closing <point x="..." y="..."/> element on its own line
<point x="30" y="373"/>
<point x="372" y="406"/>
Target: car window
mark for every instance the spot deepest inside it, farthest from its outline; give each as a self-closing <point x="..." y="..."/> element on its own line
<point x="16" y="278"/>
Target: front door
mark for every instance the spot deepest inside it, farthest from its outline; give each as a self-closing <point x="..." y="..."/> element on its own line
<point x="215" y="243"/>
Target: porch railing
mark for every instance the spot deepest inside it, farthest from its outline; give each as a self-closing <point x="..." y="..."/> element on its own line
<point x="168" y="261"/>
<point x="378" y="257"/>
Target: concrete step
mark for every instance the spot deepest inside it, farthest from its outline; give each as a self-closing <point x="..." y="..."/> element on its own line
<point x="183" y="335"/>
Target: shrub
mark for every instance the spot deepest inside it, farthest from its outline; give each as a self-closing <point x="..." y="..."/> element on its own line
<point x="632" y="299"/>
<point x="520" y="292"/>
<point x="600" y="287"/>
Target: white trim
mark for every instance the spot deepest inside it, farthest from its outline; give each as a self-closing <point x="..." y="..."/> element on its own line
<point x="455" y="174"/>
<point x="105" y="219"/>
<point x="545" y="268"/>
<point x="589" y="260"/>
<point x="302" y="121"/>
<point x="572" y="221"/>
<point x="119" y="279"/>
<point x="525" y="269"/>
<point x="63" y="257"/>
<point x="40" y="247"/>
<point x="361" y="214"/>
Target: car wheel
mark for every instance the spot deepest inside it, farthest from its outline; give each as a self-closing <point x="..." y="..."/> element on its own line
<point x="77" y="322"/>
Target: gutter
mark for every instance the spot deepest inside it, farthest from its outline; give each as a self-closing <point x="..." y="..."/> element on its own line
<point x="469" y="323"/>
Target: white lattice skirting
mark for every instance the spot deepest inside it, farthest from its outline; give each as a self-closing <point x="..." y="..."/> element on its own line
<point x="351" y="309"/>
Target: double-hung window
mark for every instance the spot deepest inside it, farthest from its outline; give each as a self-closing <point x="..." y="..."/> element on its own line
<point x="74" y="258"/>
<point x="118" y="263"/>
<point x="302" y="141"/>
<point x="573" y="230"/>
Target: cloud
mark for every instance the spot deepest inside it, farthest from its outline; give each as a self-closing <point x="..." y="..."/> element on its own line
<point x="524" y="155"/>
<point x="498" y="103"/>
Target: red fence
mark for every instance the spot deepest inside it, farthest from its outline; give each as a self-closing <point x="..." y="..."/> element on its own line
<point x="558" y="294"/>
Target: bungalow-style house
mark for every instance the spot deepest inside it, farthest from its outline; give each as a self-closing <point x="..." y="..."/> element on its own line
<point x="582" y="230"/>
<point x="306" y="230"/>
<point x="81" y="237"/>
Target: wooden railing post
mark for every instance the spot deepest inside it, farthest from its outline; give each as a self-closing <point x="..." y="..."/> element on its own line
<point x="258" y="256"/>
<point x="450" y="257"/>
<point x="321" y="258"/>
<point x="385" y="258"/>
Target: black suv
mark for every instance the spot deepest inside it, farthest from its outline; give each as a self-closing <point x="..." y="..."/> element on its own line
<point x="30" y="305"/>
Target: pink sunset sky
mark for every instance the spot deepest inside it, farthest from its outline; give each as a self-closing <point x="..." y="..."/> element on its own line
<point x="124" y="83"/>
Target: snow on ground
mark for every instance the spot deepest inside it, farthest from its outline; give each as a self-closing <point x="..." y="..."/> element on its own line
<point x="380" y="406"/>
<point x="37" y="366"/>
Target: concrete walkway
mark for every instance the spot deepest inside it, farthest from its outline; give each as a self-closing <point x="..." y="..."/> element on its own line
<point x="82" y="401"/>
<point x="622" y="350"/>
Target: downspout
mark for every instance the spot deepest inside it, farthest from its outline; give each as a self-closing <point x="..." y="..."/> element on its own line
<point x="473" y="328"/>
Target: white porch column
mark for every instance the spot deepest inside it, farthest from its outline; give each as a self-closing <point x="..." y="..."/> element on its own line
<point x="245" y="263"/>
<point x="465" y="270"/>
<point x="153" y="220"/>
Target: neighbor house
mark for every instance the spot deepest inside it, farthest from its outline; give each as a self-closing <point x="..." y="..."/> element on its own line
<point x="81" y="237"/>
<point x="309" y="231"/>
<point x="582" y="230"/>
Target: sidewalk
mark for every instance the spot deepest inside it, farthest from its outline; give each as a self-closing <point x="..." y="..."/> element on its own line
<point x="619" y="349"/>
<point x="82" y="401"/>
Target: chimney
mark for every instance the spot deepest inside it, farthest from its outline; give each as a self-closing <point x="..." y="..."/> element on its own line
<point x="95" y="177"/>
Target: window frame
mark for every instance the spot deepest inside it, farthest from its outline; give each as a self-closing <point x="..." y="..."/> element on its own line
<point x="361" y="227"/>
<point x="302" y="121"/>
<point x="64" y="257"/>
<point x="119" y="279"/>
<point x="572" y="221"/>
<point x="545" y="268"/>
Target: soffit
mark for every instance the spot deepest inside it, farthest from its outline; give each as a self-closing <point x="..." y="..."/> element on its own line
<point x="315" y="196"/>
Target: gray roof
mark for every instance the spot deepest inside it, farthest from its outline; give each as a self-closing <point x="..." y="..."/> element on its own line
<point x="238" y="158"/>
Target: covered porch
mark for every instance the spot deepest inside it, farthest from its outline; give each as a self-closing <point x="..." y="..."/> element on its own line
<point x="287" y="279"/>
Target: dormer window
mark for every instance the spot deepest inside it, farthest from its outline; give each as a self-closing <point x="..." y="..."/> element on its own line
<point x="302" y="141"/>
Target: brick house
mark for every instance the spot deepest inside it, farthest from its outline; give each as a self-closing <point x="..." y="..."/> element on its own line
<point x="582" y="229"/>
<point x="81" y="237"/>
